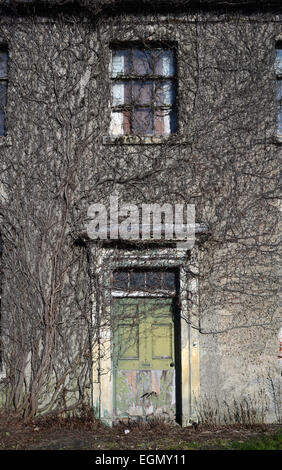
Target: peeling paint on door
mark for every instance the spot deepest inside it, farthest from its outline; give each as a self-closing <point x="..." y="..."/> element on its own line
<point x="145" y="393"/>
<point x="144" y="368"/>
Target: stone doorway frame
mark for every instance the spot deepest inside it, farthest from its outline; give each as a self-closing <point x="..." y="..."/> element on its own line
<point x="152" y="258"/>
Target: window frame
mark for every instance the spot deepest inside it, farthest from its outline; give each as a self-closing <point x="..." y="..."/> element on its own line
<point x="133" y="137"/>
<point x="163" y="288"/>
<point x="4" y="81"/>
<point x="278" y="84"/>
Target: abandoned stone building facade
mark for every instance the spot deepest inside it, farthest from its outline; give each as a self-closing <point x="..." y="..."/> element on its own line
<point x="139" y="103"/>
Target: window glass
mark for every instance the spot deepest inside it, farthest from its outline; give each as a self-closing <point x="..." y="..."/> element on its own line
<point x="137" y="280"/>
<point x="278" y="61"/>
<point x="120" y="123"/>
<point x="120" y="280"/>
<point x="142" y="92"/>
<point x="142" y="121"/>
<point x="278" y="69"/>
<point x="121" y="93"/>
<point x="165" y="122"/>
<point x="148" y="280"/>
<point x="165" y="63"/>
<point x="3" y="88"/>
<point x="142" y="62"/>
<point x="165" y="93"/>
<point x="120" y="62"/>
<point x="143" y="103"/>
<point x="154" y="280"/>
<point x="169" y="280"/>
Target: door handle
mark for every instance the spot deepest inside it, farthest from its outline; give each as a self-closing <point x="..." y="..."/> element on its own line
<point x="172" y="364"/>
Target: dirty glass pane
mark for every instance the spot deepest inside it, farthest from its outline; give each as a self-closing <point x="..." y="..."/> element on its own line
<point x="169" y="280"/>
<point x="121" y="93"/>
<point x="142" y="92"/>
<point x="142" y="62"/>
<point x="165" y="63"/>
<point x="3" y="64"/>
<point x="120" y="62"/>
<point x="154" y="280"/>
<point x="165" y="93"/>
<point x="120" y="280"/>
<point x="165" y="121"/>
<point x="137" y="280"/>
<point x="120" y="123"/>
<point x="142" y="121"/>
<point x="2" y="123"/>
<point x="278" y="61"/>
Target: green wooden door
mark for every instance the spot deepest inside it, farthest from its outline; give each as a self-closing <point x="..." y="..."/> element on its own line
<point x="144" y="371"/>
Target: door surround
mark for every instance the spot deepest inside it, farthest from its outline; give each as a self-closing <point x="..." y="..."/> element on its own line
<point x="103" y="379"/>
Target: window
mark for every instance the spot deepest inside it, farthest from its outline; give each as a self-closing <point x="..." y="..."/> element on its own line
<point x="278" y="70"/>
<point x="143" y="92"/>
<point x="145" y="280"/>
<point x="1" y="282"/>
<point x="3" y="88"/>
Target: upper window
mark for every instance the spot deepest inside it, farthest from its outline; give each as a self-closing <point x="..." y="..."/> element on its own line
<point x="278" y="70"/>
<point x="3" y="88"/>
<point x="143" y="92"/>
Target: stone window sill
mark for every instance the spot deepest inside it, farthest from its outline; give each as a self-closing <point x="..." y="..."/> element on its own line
<point x="140" y="140"/>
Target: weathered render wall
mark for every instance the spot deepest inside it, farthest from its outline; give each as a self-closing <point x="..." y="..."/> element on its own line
<point x="55" y="163"/>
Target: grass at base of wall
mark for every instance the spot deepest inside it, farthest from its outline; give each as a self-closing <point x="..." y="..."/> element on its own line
<point x="273" y="442"/>
<point x="56" y="433"/>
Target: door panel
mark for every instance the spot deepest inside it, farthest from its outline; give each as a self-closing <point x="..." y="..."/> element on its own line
<point x="161" y="342"/>
<point x="144" y="372"/>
